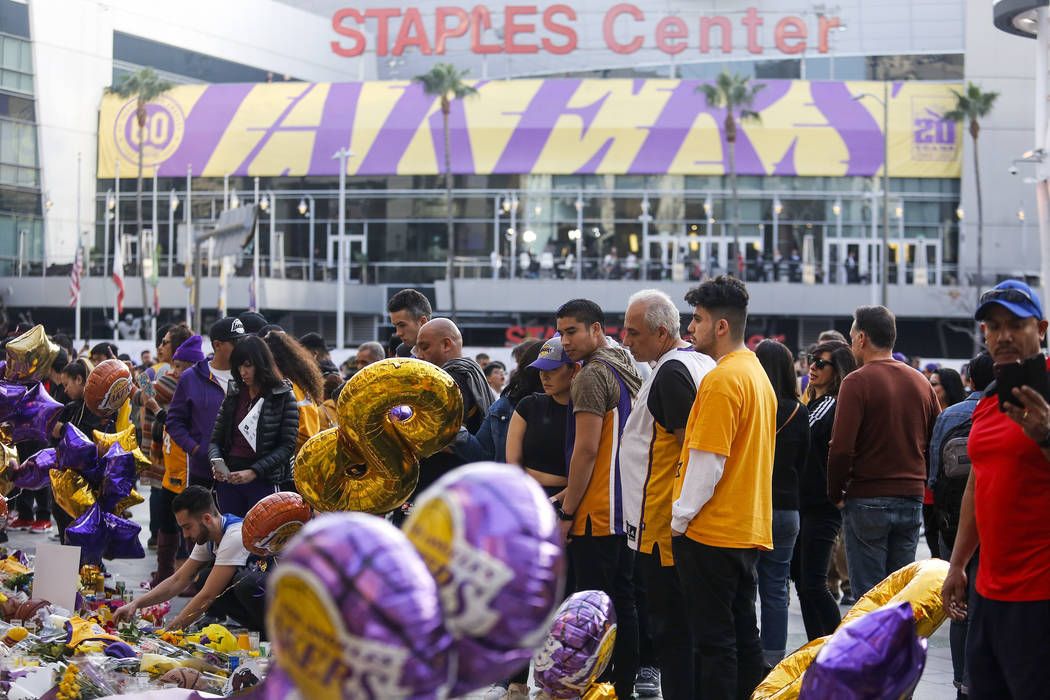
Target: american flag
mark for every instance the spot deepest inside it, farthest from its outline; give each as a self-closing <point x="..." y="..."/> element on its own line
<point x="74" y="276"/>
<point x="118" y="274"/>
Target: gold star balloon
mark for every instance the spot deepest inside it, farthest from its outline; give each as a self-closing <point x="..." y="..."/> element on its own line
<point x="72" y="492"/>
<point x="126" y="439"/>
<point x="29" y="356"/>
<point x="7" y="453"/>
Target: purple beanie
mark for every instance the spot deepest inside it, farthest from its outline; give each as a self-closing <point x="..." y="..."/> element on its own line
<point x="190" y="350"/>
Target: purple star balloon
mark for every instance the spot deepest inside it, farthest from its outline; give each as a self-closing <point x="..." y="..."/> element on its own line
<point x="878" y="655"/>
<point x="502" y="571"/>
<point x="9" y="397"/>
<point x="123" y="538"/>
<point x="353" y="596"/>
<point x="89" y="533"/>
<point x="276" y="686"/>
<point x="118" y="476"/>
<point x="75" y="450"/>
<point x="578" y="647"/>
<point x="35" y="472"/>
<point x="34" y="415"/>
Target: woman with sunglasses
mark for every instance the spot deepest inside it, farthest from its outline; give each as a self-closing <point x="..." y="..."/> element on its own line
<point x="819" y="520"/>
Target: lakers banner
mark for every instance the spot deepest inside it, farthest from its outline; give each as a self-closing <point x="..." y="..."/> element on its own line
<point x="532" y="126"/>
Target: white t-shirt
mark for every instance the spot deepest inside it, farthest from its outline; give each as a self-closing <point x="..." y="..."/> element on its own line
<point x="230" y="552"/>
<point x="223" y="375"/>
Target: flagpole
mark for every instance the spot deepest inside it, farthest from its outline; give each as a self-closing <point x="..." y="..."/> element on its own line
<point x="156" y="259"/>
<point x="76" y="321"/>
<point x="116" y="242"/>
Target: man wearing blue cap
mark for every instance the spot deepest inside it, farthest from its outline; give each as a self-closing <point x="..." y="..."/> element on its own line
<point x="1005" y="509"/>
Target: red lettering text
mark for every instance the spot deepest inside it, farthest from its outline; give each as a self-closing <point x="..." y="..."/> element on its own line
<point x="511" y="28"/>
<point x="752" y="21"/>
<point x="441" y="32"/>
<point x="382" y="30"/>
<point x="671" y="28"/>
<point x="826" y="24"/>
<point x="610" y="21"/>
<point x="358" y="37"/>
<point x="412" y="33"/>
<point x="790" y="28"/>
<point x="725" y="29"/>
<point x="481" y="20"/>
<point x="568" y="32"/>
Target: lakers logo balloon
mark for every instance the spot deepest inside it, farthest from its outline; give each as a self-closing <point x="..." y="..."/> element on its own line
<point x="391" y="414"/>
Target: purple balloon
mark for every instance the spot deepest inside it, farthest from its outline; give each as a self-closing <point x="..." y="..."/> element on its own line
<point x="118" y="476"/>
<point x="878" y="655"/>
<point x="400" y="413"/>
<point x="275" y="686"/>
<point x="501" y="574"/>
<point x="34" y="415"/>
<point x="89" y="533"/>
<point x="578" y="647"/>
<point x="123" y="537"/>
<point x="9" y="397"/>
<point x="76" y="451"/>
<point x="3" y="368"/>
<point x="386" y="603"/>
<point x="35" y="472"/>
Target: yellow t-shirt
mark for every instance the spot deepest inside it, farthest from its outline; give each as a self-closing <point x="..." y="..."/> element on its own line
<point x="309" y="416"/>
<point x="734" y="415"/>
<point x="176" y="466"/>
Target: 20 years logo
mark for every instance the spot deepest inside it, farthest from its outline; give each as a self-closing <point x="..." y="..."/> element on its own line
<point x="160" y="137"/>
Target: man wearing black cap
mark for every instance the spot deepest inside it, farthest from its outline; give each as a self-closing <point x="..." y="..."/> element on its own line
<point x="198" y="396"/>
<point x="1004" y="509"/>
<point x="252" y="321"/>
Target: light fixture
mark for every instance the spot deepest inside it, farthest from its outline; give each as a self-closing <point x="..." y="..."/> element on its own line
<point x="579" y="204"/>
<point x="693" y="227"/>
<point x="959" y="213"/>
<point x="47" y="201"/>
<point x="632" y="240"/>
<point x="694" y="244"/>
<point x="1020" y="215"/>
<point x="514" y="203"/>
<point x="574" y="233"/>
<point x="111" y="202"/>
<point x="777" y="206"/>
<point x="510" y="233"/>
<point x="707" y="206"/>
<point x="265" y="203"/>
<point x="529" y="236"/>
<point x="597" y="232"/>
<point x="506" y="204"/>
<point x="235" y="201"/>
<point x="836" y="208"/>
<point x="538" y="210"/>
<point x="173" y="199"/>
<point x="899" y="211"/>
<point x="303" y="207"/>
<point x="645" y="206"/>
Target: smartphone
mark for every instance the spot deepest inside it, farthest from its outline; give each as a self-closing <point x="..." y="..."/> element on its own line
<point x="219" y="465"/>
<point x="1028" y="372"/>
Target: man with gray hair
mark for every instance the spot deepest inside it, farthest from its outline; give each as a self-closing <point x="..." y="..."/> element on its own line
<point x="369" y="353"/>
<point x="650" y="449"/>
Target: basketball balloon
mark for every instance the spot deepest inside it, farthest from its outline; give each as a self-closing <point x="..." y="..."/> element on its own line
<point x="273" y="521"/>
<point x="108" y="386"/>
<point x="189" y="678"/>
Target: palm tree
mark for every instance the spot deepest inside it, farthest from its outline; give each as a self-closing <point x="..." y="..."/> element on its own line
<point x="446" y="81"/>
<point x="973" y="106"/>
<point x="145" y="86"/>
<point x="736" y="93"/>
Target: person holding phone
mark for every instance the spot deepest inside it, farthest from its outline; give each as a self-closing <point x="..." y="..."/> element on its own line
<point x="1004" y="509"/>
<point x="253" y="442"/>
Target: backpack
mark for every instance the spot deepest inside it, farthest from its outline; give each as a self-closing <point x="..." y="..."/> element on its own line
<point x="951" y="481"/>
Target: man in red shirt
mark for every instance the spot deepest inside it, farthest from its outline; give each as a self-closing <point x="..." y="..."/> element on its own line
<point x="1005" y="509"/>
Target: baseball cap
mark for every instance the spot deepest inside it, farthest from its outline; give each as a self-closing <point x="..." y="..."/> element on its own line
<point x="227" y="329"/>
<point x="900" y="357"/>
<point x="1013" y="295"/>
<point x="253" y="322"/>
<point x="552" y="355"/>
<point x="932" y="367"/>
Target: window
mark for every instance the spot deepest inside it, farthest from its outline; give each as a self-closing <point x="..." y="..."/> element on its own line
<point x="16" y="64"/>
<point x="172" y="59"/>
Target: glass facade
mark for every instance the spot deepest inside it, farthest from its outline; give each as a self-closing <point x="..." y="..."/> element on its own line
<point x="21" y="225"/>
<point x="175" y="61"/>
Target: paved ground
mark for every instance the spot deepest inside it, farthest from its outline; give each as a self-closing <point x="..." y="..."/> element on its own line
<point x="936" y="683"/>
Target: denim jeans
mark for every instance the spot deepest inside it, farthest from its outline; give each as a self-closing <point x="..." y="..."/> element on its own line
<point x="881" y="536"/>
<point x="719" y="586"/>
<point x="774" y="569"/>
<point x="818" y="528"/>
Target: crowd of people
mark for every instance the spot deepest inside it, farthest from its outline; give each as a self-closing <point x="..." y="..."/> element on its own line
<point x="694" y="478"/>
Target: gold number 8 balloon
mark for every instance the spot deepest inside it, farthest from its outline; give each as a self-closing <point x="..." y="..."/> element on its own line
<point x="391" y="414"/>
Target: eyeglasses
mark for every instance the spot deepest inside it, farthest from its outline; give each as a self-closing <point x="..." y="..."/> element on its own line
<point x="1014" y="296"/>
<point x="820" y="363"/>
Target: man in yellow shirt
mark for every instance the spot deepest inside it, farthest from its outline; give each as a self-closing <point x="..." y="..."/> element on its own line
<point x="722" y="511"/>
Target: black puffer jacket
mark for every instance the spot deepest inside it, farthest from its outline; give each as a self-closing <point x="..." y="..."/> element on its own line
<point x="276" y="435"/>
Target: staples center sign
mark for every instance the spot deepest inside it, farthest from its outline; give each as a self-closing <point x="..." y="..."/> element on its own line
<point x="554" y="29"/>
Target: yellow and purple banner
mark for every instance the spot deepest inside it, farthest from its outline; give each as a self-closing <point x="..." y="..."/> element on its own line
<point x="562" y="126"/>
